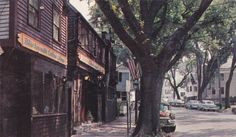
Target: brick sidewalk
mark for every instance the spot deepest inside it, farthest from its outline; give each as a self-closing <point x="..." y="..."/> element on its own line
<point x="116" y="128"/>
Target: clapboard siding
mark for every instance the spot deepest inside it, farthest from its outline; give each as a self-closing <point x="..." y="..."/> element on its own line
<point x="4" y="18"/>
<point x="45" y="32"/>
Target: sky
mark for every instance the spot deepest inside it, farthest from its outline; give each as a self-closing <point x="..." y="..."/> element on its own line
<point x="82" y="7"/>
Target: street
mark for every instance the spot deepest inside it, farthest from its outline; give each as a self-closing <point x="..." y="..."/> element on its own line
<point x="194" y="123"/>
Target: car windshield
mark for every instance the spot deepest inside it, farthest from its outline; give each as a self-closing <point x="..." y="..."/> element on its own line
<point x="164" y="107"/>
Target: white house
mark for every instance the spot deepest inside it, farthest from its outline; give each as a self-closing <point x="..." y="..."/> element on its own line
<point x="125" y="90"/>
<point x="217" y="84"/>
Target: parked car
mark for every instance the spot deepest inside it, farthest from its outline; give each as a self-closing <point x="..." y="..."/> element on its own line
<point x="192" y="104"/>
<point x="177" y="103"/>
<point x="167" y="118"/>
<point x="208" y="105"/>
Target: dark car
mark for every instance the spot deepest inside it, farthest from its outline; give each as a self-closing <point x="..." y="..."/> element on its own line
<point x="167" y="118"/>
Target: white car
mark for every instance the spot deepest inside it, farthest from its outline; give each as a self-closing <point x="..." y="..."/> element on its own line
<point x="192" y="104"/>
<point x="208" y="105"/>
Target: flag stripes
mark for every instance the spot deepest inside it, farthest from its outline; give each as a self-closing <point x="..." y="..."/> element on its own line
<point x="135" y="69"/>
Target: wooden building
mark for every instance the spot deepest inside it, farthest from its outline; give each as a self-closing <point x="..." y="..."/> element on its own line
<point x="33" y="60"/>
<point x="90" y="63"/>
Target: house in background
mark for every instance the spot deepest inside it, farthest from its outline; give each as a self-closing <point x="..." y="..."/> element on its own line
<point x="217" y="84"/>
<point x="191" y="87"/>
<point x="168" y="92"/>
<point x="125" y="90"/>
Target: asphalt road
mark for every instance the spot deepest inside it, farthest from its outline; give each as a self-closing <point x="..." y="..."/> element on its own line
<point x="194" y="123"/>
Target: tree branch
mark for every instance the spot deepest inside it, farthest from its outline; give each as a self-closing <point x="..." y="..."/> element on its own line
<point x="162" y="22"/>
<point x="143" y="8"/>
<point x="156" y="5"/>
<point x="172" y="45"/>
<point x="131" y="20"/>
<point x="183" y="79"/>
<point x="118" y="27"/>
<point x="173" y="71"/>
<point x="171" y="84"/>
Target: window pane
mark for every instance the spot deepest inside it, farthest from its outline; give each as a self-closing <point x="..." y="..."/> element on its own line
<point x="37" y="92"/>
<point x="33" y="17"/>
<point x="34" y="3"/>
<point x="56" y="18"/>
<point x="55" y="33"/>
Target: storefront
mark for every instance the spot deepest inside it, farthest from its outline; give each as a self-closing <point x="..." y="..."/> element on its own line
<point x="88" y="90"/>
<point x="33" y="90"/>
<point x="48" y="91"/>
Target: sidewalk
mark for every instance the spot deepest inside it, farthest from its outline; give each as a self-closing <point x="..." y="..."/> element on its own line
<point x="116" y="128"/>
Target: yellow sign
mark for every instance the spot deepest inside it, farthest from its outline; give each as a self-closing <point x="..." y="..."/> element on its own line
<point x="36" y="46"/>
<point x="91" y="63"/>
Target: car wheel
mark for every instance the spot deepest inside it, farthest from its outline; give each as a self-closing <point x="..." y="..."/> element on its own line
<point x="168" y="129"/>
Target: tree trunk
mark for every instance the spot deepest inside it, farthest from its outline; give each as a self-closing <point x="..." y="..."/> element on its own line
<point x="177" y="93"/>
<point x="199" y="79"/>
<point x="151" y="87"/>
<point x="228" y="83"/>
<point x="227" y="91"/>
<point x="199" y="95"/>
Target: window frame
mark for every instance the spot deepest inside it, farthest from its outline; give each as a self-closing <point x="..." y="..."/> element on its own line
<point x="38" y="15"/>
<point x="56" y="9"/>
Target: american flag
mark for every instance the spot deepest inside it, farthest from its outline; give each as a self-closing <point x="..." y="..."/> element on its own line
<point x="135" y="69"/>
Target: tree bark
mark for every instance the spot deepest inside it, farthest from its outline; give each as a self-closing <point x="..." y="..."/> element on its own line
<point x="199" y="95"/>
<point x="228" y="83"/>
<point x="151" y="88"/>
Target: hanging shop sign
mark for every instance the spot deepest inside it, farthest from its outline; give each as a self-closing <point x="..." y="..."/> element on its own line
<point x="36" y="46"/>
<point x="91" y="63"/>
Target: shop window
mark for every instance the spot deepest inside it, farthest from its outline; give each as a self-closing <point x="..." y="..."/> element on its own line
<point x="48" y="94"/>
<point x="56" y="25"/>
<point x="33" y="13"/>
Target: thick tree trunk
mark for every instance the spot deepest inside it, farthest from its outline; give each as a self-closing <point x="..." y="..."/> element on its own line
<point x="228" y="83"/>
<point x="151" y="87"/>
<point x="177" y="93"/>
<point x="199" y="79"/>
<point x="199" y="95"/>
